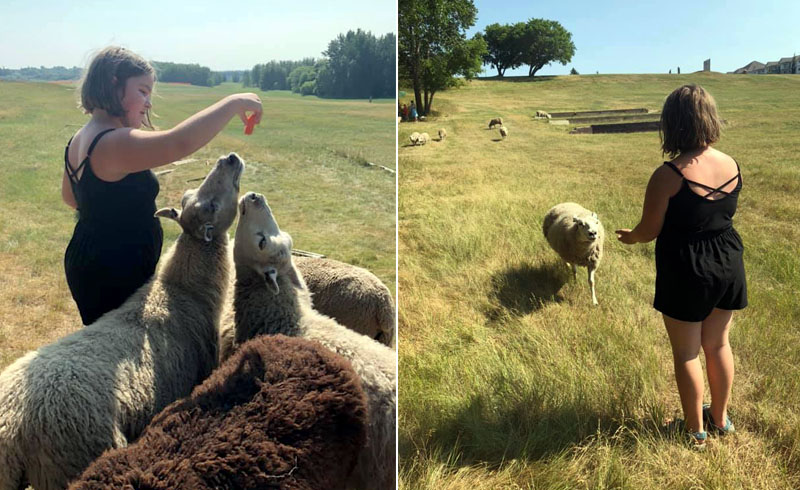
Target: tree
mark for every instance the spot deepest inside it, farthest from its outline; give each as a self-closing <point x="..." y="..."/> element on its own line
<point x="433" y="47"/>
<point x="503" y="45"/>
<point x="543" y="42"/>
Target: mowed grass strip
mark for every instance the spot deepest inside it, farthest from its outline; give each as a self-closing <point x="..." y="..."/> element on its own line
<point x="509" y="378"/>
<point x="307" y="157"/>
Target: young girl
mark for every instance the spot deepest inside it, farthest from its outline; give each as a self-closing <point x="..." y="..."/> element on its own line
<point x="107" y="178"/>
<point x="689" y="205"/>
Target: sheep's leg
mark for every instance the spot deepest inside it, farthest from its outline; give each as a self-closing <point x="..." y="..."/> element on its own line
<point x="591" y="285"/>
<point x="574" y="271"/>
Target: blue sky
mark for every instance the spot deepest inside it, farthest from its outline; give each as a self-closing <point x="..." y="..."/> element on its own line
<point x="615" y="36"/>
<point x="219" y="34"/>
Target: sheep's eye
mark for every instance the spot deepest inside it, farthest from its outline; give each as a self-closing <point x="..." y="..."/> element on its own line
<point x="263" y="242"/>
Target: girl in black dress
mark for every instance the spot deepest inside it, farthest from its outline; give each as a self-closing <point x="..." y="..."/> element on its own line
<point x="107" y="178"/>
<point x="689" y="206"/>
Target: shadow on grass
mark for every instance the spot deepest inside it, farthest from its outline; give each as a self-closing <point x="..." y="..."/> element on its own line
<point x="520" y="79"/>
<point x="523" y="288"/>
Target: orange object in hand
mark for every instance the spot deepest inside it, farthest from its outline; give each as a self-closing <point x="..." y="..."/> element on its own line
<point x="251" y="122"/>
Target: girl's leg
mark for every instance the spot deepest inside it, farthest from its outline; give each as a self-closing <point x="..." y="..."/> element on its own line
<point x="719" y="361"/>
<point x="685" y="339"/>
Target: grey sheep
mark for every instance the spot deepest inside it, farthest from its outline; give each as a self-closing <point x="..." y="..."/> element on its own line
<point x="64" y="404"/>
<point x="271" y="298"/>
<point x="577" y="235"/>
<point x="442" y="134"/>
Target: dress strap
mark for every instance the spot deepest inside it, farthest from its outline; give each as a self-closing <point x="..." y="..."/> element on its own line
<point x="673" y="167"/>
<point x="96" y="139"/>
<point x="72" y="174"/>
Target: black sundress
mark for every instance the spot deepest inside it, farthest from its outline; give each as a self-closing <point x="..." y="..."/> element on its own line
<point x="699" y="264"/>
<point x="116" y="243"/>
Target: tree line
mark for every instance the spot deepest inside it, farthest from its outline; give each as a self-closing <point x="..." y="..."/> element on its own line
<point x="435" y="54"/>
<point x="355" y="65"/>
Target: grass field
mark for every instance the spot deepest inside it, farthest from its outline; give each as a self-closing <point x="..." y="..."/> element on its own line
<point x="509" y="378"/>
<point x="307" y="156"/>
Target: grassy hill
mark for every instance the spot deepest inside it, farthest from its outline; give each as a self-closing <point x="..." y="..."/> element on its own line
<point x="509" y="378"/>
<point x="307" y="157"/>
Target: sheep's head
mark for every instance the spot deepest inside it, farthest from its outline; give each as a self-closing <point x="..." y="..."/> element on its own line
<point x="260" y="244"/>
<point x="588" y="226"/>
<point x="209" y="210"/>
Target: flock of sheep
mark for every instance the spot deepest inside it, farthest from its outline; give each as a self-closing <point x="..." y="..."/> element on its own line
<point x="574" y="232"/>
<point x="200" y="380"/>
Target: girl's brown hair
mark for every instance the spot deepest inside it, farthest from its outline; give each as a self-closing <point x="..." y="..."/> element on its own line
<point x="688" y="120"/>
<point x="103" y="83"/>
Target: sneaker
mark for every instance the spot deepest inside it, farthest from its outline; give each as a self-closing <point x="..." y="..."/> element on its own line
<point x="709" y="421"/>
<point x="695" y="440"/>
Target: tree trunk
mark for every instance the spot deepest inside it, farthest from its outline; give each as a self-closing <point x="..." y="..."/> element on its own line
<point x="500" y="71"/>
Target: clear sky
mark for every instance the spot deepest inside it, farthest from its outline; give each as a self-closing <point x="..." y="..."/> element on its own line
<point x="654" y="36"/>
<point x="219" y="34"/>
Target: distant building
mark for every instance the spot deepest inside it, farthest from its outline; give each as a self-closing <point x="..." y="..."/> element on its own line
<point x="707" y="65"/>
<point x="752" y="67"/>
<point x="788" y="65"/>
<point x="773" y="67"/>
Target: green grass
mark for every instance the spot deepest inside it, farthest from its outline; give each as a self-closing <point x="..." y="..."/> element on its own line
<point x="509" y="378"/>
<point x="307" y="157"/>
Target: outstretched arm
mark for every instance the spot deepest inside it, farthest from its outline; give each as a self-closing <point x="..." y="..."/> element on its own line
<point x="129" y="150"/>
<point x="664" y="183"/>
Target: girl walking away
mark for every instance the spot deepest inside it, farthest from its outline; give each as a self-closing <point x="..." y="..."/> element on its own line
<point x="689" y="206"/>
<point x="117" y="241"/>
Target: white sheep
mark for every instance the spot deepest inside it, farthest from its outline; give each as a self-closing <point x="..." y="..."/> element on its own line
<point x="503" y="131"/>
<point x="442" y="134"/>
<point x="577" y="235"/>
<point x="498" y="121"/>
<point x="414" y="138"/>
<point x="423" y="138"/>
<point x="97" y="388"/>
<point x="351" y="295"/>
<point x="542" y="115"/>
<point x="272" y="298"/>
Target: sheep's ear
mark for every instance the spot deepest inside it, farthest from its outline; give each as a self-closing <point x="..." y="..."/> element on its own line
<point x="294" y="276"/>
<point x="271" y="280"/>
<point x="170" y="213"/>
<point x="594" y="215"/>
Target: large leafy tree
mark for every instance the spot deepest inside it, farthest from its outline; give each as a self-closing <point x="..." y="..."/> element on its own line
<point x="503" y="43"/>
<point x="543" y="42"/>
<point x="433" y="48"/>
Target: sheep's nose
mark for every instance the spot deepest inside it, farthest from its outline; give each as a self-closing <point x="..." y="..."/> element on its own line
<point x="233" y="158"/>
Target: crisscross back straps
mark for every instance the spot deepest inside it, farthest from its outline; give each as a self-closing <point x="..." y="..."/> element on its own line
<point x="711" y="190"/>
<point x="73" y="174"/>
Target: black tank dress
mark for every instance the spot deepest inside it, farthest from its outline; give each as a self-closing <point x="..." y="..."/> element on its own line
<point x="699" y="263"/>
<point x="117" y="241"/>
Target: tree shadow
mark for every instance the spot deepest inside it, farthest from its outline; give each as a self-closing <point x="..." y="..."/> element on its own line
<point x="523" y="288"/>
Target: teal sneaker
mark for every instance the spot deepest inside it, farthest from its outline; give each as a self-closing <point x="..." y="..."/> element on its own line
<point x="712" y="426"/>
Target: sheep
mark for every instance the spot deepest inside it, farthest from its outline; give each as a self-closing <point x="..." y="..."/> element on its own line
<point x="442" y="134"/>
<point x="577" y="235"/>
<point x="271" y="297"/>
<point x="351" y="295"/>
<point x="414" y="137"/>
<point x="282" y="412"/>
<point x="64" y="404"/>
<point x="498" y="121"/>
<point x="503" y="131"/>
<point x="423" y="138"/>
<point x="542" y="115"/>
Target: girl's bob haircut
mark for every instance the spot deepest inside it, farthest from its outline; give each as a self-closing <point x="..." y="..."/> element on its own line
<point x="103" y="83"/>
<point x="688" y="120"/>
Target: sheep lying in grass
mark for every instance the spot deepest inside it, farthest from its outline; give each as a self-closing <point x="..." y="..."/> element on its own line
<point x="414" y="138"/>
<point x="424" y="138"/>
<point x="442" y="134"/>
<point x="64" y="404"/>
<point x="272" y="298"/>
<point x="351" y="295"/>
<point x="498" y="121"/>
<point x="542" y="115"/>
<point x="281" y="413"/>
<point x="577" y="235"/>
<point x="503" y="131"/>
